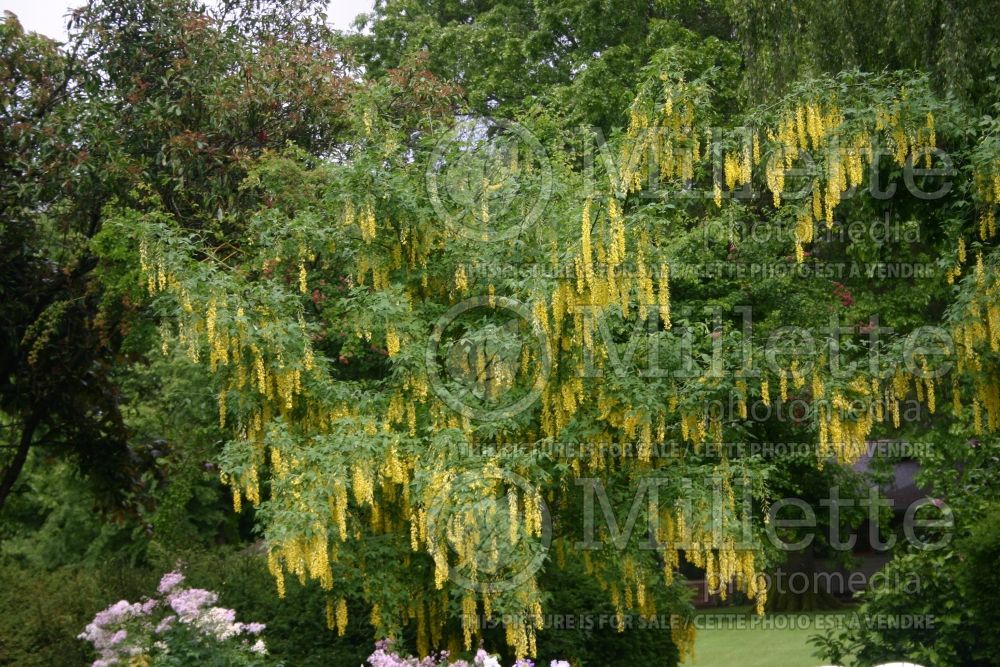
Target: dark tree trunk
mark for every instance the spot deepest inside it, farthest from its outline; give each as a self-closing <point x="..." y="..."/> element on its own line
<point x="13" y="471"/>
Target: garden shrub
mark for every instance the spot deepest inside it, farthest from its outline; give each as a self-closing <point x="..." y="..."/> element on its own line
<point x="921" y="586"/>
<point x="981" y="582"/>
<point x="297" y="633"/>
<point x="578" y="598"/>
<point x="43" y="611"/>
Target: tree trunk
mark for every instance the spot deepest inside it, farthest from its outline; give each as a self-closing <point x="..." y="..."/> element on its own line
<point x="13" y="471"/>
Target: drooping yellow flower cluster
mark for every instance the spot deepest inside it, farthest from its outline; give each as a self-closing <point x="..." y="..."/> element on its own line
<point x="976" y="334"/>
<point x="392" y="343"/>
<point x="667" y="131"/>
<point x="704" y="529"/>
<point x="409" y="248"/>
<point x="459" y="514"/>
<point x="710" y="545"/>
<point x="987" y="184"/>
<point x="664" y="134"/>
<point x="737" y="170"/>
<point x="841" y="150"/>
<point x="842" y="433"/>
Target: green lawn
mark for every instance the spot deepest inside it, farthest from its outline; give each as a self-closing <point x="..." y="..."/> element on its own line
<point x="735" y="636"/>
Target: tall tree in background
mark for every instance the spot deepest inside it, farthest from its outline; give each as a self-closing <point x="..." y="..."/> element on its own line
<point x="149" y="99"/>
<point x="55" y="386"/>
<point x="955" y="43"/>
<point x="582" y="57"/>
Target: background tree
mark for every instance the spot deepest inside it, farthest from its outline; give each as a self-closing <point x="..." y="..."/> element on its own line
<point x="88" y="127"/>
<point x="580" y="59"/>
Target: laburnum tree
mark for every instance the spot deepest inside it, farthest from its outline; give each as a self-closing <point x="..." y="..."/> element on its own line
<point x="371" y="478"/>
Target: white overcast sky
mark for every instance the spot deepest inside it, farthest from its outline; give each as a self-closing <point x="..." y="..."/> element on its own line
<point x="48" y="16"/>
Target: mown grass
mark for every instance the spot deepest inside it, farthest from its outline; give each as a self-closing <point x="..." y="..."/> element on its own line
<point x="736" y="636"/>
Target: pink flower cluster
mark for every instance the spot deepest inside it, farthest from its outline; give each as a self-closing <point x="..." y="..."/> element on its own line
<point x="384" y="656"/>
<point x="129" y="629"/>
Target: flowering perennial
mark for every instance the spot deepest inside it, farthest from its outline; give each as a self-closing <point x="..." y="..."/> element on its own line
<point x="384" y="656"/>
<point x="129" y="633"/>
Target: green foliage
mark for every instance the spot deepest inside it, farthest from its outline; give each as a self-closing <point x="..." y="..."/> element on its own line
<point x="50" y="523"/>
<point x="583" y="631"/>
<point x="922" y="595"/>
<point x="149" y="99"/>
<point x="224" y="246"/>
<point x="955" y="42"/>
<point x="581" y="59"/>
<point x="44" y="610"/>
<point x="980" y="582"/>
<point x="278" y="314"/>
<point x="952" y="588"/>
